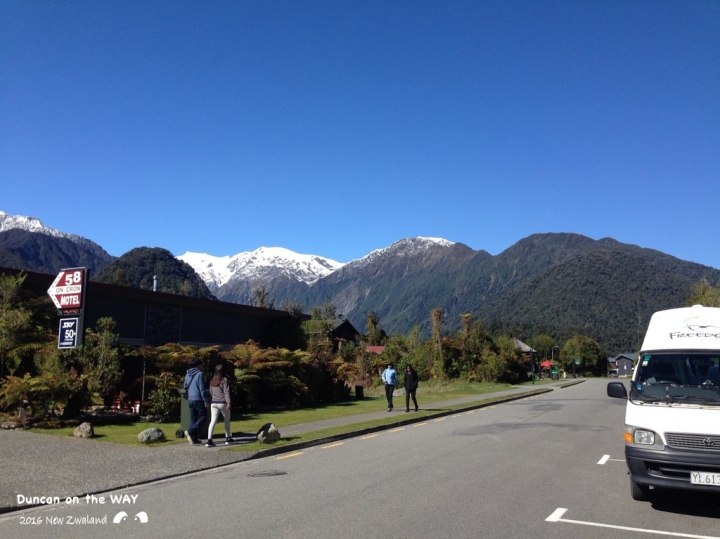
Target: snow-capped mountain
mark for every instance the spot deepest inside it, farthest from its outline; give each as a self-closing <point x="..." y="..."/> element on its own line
<point x="262" y="264"/>
<point x="33" y="224"/>
<point x="402" y="248"/>
<point x="29" y="244"/>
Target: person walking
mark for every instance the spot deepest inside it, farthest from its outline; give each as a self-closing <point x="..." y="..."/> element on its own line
<point x="198" y="400"/>
<point x="411" y="385"/>
<point x="389" y="376"/>
<point x="219" y="403"/>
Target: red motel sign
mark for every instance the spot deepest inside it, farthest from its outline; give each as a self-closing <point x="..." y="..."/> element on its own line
<point x="67" y="289"/>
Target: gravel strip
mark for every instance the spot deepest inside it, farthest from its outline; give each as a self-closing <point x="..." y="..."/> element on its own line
<point x="36" y="464"/>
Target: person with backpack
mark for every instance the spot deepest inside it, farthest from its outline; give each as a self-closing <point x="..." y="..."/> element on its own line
<point x="219" y="402"/>
<point x="198" y="400"/>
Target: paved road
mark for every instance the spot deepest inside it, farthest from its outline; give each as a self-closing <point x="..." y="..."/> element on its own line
<point x="498" y="472"/>
<point x="33" y="462"/>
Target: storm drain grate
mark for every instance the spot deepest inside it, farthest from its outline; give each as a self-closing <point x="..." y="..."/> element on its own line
<point x="270" y="473"/>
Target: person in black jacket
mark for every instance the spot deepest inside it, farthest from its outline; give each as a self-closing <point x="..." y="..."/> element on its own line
<point x="411" y="385"/>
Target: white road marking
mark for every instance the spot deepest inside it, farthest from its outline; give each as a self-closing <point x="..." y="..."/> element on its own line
<point x="557" y="514"/>
<point x="560" y="511"/>
<point x="604" y="459"/>
<point x="369" y="436"/>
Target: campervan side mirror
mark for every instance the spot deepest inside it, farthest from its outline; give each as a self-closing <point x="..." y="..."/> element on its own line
<point x="616" y="390"/>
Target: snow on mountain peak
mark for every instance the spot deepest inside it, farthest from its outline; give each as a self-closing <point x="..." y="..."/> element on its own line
<point x="218" y="270"/>
<point x="33" y="224"/>
<point x="404" y="247"/>
<point x="439" y="241"/>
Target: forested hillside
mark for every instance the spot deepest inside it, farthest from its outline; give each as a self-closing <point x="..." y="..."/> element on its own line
<point x="557" y="283"/>
<point x="137" y="267"/>
<point x="34" y="251"/>
<point x="607" y="295"/>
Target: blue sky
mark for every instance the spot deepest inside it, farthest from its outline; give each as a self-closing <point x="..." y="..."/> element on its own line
<point x="335" y="127"/>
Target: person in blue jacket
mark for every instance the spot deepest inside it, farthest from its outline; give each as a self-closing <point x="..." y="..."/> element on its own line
<point x="389" y="376"/>
<point x="198" y="400"/>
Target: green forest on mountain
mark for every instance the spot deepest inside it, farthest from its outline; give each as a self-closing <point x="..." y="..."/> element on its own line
<point x="137" y="268"/>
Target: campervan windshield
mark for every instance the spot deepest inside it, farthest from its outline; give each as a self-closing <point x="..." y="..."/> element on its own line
<point x="678" y="377"/>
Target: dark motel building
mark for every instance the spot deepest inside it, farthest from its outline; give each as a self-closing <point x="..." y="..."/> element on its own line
<point x="157" y="318"/>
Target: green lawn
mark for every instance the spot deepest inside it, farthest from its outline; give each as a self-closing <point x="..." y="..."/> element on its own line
<point x="250" y="422"/>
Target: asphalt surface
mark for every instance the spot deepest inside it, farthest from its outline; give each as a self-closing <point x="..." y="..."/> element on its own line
<point x="37" y="464"/>
<point x="547" y="466"/>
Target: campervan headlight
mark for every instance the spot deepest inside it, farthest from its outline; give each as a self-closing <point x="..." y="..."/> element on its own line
<point x="644" y="437"/>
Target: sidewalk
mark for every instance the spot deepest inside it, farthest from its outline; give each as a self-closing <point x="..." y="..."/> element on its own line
<point x="36" y="464"/>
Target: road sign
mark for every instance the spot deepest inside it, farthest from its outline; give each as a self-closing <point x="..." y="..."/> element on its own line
<point x="577" y="361"/>
<point x="68" y="288"/>
<point x="68" y="333"/>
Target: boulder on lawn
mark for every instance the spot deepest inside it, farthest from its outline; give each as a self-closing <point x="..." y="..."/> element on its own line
<point x="268" y="434"/>
<point x="84" y="430"/>
<point x="151" y="435"/>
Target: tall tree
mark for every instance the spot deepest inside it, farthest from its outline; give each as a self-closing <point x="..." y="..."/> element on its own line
<point x="703" y="293"/>
<point x="467" y="320"/>
<point x="437" y="316"/>
<point x="543" y="345"/>
<point x="260" y="296"/>
<point x="100" y="359"/>
<point x="15" y="318"/>
<point x="592" y="356"/>
<point x="375" y="335"/>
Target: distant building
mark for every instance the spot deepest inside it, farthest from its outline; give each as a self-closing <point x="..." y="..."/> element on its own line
<point x="624" y="363"/>
<point x="342" y="331"/>
<point x="526" y="350"/>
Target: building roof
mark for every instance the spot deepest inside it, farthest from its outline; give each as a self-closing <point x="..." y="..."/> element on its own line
<point x="524" y="347"/>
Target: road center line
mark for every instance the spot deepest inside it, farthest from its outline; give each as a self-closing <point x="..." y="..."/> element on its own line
<point x="290" y="455"/>
<point x="470" y="412"/>
<point x="332" y="445"/>
<point x="396" y="430"/>
<point x="368" y="436"/>
<point x="420" y="424"/>
<point x="560" y="511"/>
<point x="440" y="419"/>
<point x="604" y="459"/>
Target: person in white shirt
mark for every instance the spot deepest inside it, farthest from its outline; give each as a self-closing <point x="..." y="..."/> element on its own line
<point x="219" y="402"/>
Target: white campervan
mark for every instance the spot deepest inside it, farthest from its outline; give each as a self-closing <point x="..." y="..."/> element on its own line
<point x="672" y="419"/>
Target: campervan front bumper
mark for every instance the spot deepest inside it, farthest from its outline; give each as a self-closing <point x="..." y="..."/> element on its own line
<point x="671" y="468"/>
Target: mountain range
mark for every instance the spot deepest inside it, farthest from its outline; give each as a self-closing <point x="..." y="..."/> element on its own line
<point x="554" y="283"/>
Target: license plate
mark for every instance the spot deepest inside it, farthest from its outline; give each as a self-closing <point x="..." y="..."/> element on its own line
<point x="704" y="478"/>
